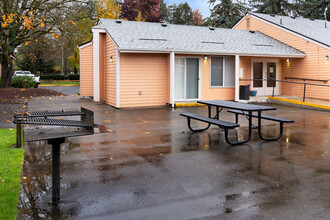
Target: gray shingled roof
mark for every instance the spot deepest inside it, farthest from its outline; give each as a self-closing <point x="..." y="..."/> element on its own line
<point x="317" y="30"/>
<point x="146" y="36"/>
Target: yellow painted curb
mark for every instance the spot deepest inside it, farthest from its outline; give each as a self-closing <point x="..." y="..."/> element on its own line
<point x="300" y="103"/>
<point x="60" y="85"/>
<point x="180" y="105"/>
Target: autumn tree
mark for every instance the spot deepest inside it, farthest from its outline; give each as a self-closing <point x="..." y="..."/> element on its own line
<point x="23" y="21"/>
<point x="148" y="10"/>
<point x="75" y="30"/>
<point x="107" y="9"/>
<point x="197" y="17"/>
<point x="37" y="56"/>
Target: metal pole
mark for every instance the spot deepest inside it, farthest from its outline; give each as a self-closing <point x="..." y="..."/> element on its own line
<point x="56" y="169"/>
<point x="304" y="92"/>
<point x="18" y="135"/>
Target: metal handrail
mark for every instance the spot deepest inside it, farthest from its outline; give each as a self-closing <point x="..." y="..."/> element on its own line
<point x="285" y="81"/>
<point x="305" y="79"/>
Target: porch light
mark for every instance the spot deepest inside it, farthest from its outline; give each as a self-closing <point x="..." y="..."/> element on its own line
<point x="110" y="59"/>
<point x="205" y="57"/>
<point x="327" y="57"/>
<point x="288" y="60"/>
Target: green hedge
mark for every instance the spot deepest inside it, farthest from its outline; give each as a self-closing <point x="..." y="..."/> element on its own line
<point x="74" y="77"/>
<point x="23" y="82"/>
<point x="53" y="77"/>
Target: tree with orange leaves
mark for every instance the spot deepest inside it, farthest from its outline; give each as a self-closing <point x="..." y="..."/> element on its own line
<point x="197" y="17"/>
<point x="23" y="21"/>
<point x="107" y="9"/>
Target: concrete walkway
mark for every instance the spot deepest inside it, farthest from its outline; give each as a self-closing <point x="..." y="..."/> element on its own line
<point x="150" y="166"/>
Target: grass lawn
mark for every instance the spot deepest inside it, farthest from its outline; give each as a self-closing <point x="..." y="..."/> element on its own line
<point x="11" y="163"/>
<point x="59" y="82"/>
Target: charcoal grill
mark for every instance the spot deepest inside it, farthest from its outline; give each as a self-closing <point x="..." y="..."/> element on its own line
<point x="55" y="131"/>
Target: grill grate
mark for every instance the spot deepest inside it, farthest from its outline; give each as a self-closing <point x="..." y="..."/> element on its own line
<point x="71" y="128"/>
<point x="56" y="122"/>
<point x="49" y="114"/>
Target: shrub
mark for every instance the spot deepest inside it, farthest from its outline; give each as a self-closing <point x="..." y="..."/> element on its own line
<point x="74" y="77"/>
<point x="23" y="82"/>
<point x="53" y="77"/>
<point x="57" y="69"/>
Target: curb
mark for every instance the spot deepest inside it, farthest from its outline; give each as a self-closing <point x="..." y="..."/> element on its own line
<point x="300" y="104"/>
<point x="182" y="105"/>
<point x="59" y="85"/>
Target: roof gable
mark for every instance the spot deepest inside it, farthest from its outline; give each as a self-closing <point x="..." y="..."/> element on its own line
<point x="316" y="30"/>
<point x="132" y="35"/>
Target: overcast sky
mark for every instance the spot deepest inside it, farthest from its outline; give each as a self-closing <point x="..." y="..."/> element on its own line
<point x="202" y="5"/>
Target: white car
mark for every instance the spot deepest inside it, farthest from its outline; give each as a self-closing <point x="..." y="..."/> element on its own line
<point x="27" y="73"/>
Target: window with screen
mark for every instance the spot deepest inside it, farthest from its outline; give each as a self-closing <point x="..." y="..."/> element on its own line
<point x="216" y="71"/>
<point x="223" y="71"/>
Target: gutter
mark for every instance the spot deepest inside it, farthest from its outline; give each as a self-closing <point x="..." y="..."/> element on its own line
<point x="141" y="50"/>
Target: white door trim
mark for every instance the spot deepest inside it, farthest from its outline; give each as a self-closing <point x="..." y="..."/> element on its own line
<point x="264" y="90"/>
<point x="185" y="78"/>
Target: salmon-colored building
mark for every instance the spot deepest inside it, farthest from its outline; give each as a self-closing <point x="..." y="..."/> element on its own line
<point x="312" y="37"/>
<point x="139" y="64"/>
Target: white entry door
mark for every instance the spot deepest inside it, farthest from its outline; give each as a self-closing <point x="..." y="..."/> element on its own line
<point x="186" y="78"/>
<point x="263" y="72"/>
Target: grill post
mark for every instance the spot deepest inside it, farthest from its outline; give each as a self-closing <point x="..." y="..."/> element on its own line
<point x="18" y="135"/>
<point x="56" y="169"/>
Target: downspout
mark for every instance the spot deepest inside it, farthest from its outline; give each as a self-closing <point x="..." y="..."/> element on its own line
<point x="236" y="78"/>
<point x="172" y="74"/>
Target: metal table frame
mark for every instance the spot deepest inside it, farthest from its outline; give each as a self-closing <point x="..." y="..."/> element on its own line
<point x="220" y="104"/>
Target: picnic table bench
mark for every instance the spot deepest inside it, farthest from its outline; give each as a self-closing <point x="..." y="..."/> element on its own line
<point x="266" y="117"/>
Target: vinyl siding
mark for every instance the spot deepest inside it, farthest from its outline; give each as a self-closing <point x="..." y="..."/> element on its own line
<point x="313" y="66"/>
<point x="146" y="73"/>
<point x="86" y="71"/>
<point x="110" y="71"/>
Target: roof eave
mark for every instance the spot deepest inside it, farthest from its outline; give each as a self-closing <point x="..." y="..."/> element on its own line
<point x="290" y="31"/>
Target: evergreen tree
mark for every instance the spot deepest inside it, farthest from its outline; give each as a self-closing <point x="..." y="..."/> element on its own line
<point x="316" y="9"/>
<point x="225" y="13"/>
<point x="276" y="7"/>
<point x="180" y="14"/>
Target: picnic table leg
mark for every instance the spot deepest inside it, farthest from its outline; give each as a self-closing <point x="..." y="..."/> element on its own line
<point x="244" y="141"/>
<point x="259" y="130"/>
<point x="197" y="130"/>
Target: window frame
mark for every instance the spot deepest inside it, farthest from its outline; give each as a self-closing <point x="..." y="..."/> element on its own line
<point x="224" y="60"/>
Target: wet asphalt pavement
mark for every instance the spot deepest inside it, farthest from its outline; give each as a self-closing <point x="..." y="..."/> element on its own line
<point x="150" y="166"/>
<point x="68" y="90"/>
<point x="8" y="109"/>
